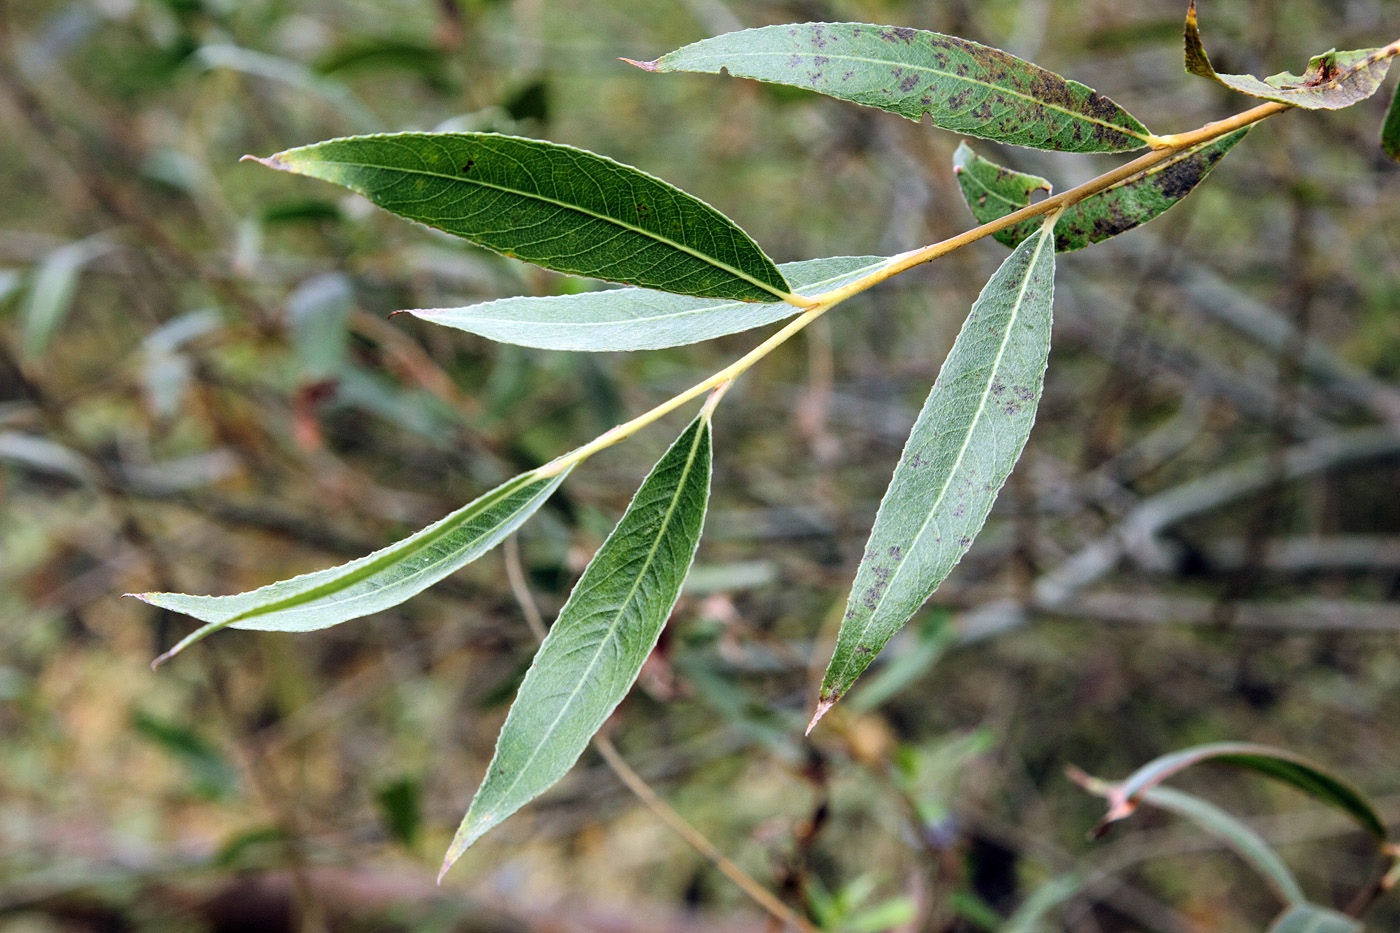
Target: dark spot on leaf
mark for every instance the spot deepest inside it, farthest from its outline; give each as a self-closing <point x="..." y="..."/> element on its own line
<point x="910" y="82"/>
<point x="964" y="541"/>
<point x="955" y="101"/>
<point x="998" y="388"/>
<point x="468" y="166"/>
<point x="1176" y="180"/>
<point x="896" y="552"/>
<point x="1024" y="393"/>
<point x="1013" y="408"/>
<point x="642" y="210"/>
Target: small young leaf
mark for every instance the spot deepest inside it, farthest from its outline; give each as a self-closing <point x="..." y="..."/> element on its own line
<point x="967" y="438"/>
<point x="992" y="191"/>
<point x="1278" y="764"/>
<point x="638" y="319"/>
<point x="1310" y="918"/>
<point x="1390" y="129"/>
<point x="556" y="206"/>
<point x="1244" y="841"/>
<point x="1333" y="80"/>
<point x="596" y="647"/>
<point x="374" y="582"/>
<point x="964" y="87"/>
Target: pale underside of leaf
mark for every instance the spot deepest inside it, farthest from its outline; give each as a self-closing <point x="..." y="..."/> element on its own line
<point x="562" y="208"/>
<point x="1310" y="918"/>
<point x="374" y="582"/>
<point x="607" y="628"/>
<point x="967" y="438"/>
<point x="1332" y="81"/>
<point x="992" y="192"/>
<point x="639" y="319"/>
<point x="963" y="86"/>
<point x="1237" y="835"/>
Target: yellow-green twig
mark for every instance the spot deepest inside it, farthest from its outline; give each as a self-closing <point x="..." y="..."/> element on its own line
<point x="816" y="306"/>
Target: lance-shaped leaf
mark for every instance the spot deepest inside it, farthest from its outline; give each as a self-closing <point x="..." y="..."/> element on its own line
<point x="1332" y="81"/>
<point x="556" y="206"/>
<point x="639" y="319"/>
<point x="1390" y="129"/>
<point x="992" y="192"/>
<point x="1324" y="787"/>
<point x="963" y="87"/>
<point x="373" y="582"/>
<point x="596" y="647"/>
<point x="1310" y="918"/>
<point x="965" y="442"/>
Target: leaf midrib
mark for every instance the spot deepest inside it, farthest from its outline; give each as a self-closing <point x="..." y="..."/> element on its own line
<point x="956" y="77"/>
<point x="615" y="624"/>
<point x="723" y="305"/>
<point x="1046" y="234"/>
<point x="339" y="584"/>
<point x="1014" y="205"/>
<point x="578" y="209"/>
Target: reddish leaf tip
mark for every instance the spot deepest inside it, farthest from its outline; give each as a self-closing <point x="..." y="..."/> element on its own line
<point x="824" y="705"/>
<point x="645" y="66"/>
<point x="446" y="864"/>
<point x="271" y="162"/>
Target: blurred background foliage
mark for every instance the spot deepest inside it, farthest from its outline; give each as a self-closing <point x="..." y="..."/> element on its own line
<point x="200" y="391"/>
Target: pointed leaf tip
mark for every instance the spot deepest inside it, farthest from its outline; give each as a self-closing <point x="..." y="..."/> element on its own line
<point x="823" y="707"/>
<point x="645" y="66"/>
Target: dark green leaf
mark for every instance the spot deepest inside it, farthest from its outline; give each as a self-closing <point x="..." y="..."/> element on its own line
<point x="1332" y="81"/>
<point x="638" y="319"/>
<point x="1244" y="841"/>
<point x="374" y="582"/>
<point x="1390" y="129"/>
<point x="604" y="633"/>
<point x="1278" y="764"/>
<point x="965" y="442"/>
<point x="992" y="192"/>
<point x="556" y="206"/>
<point x="1310" y="918"/>
<point x="964" y="87"/>
<point x="401" y="806"/>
